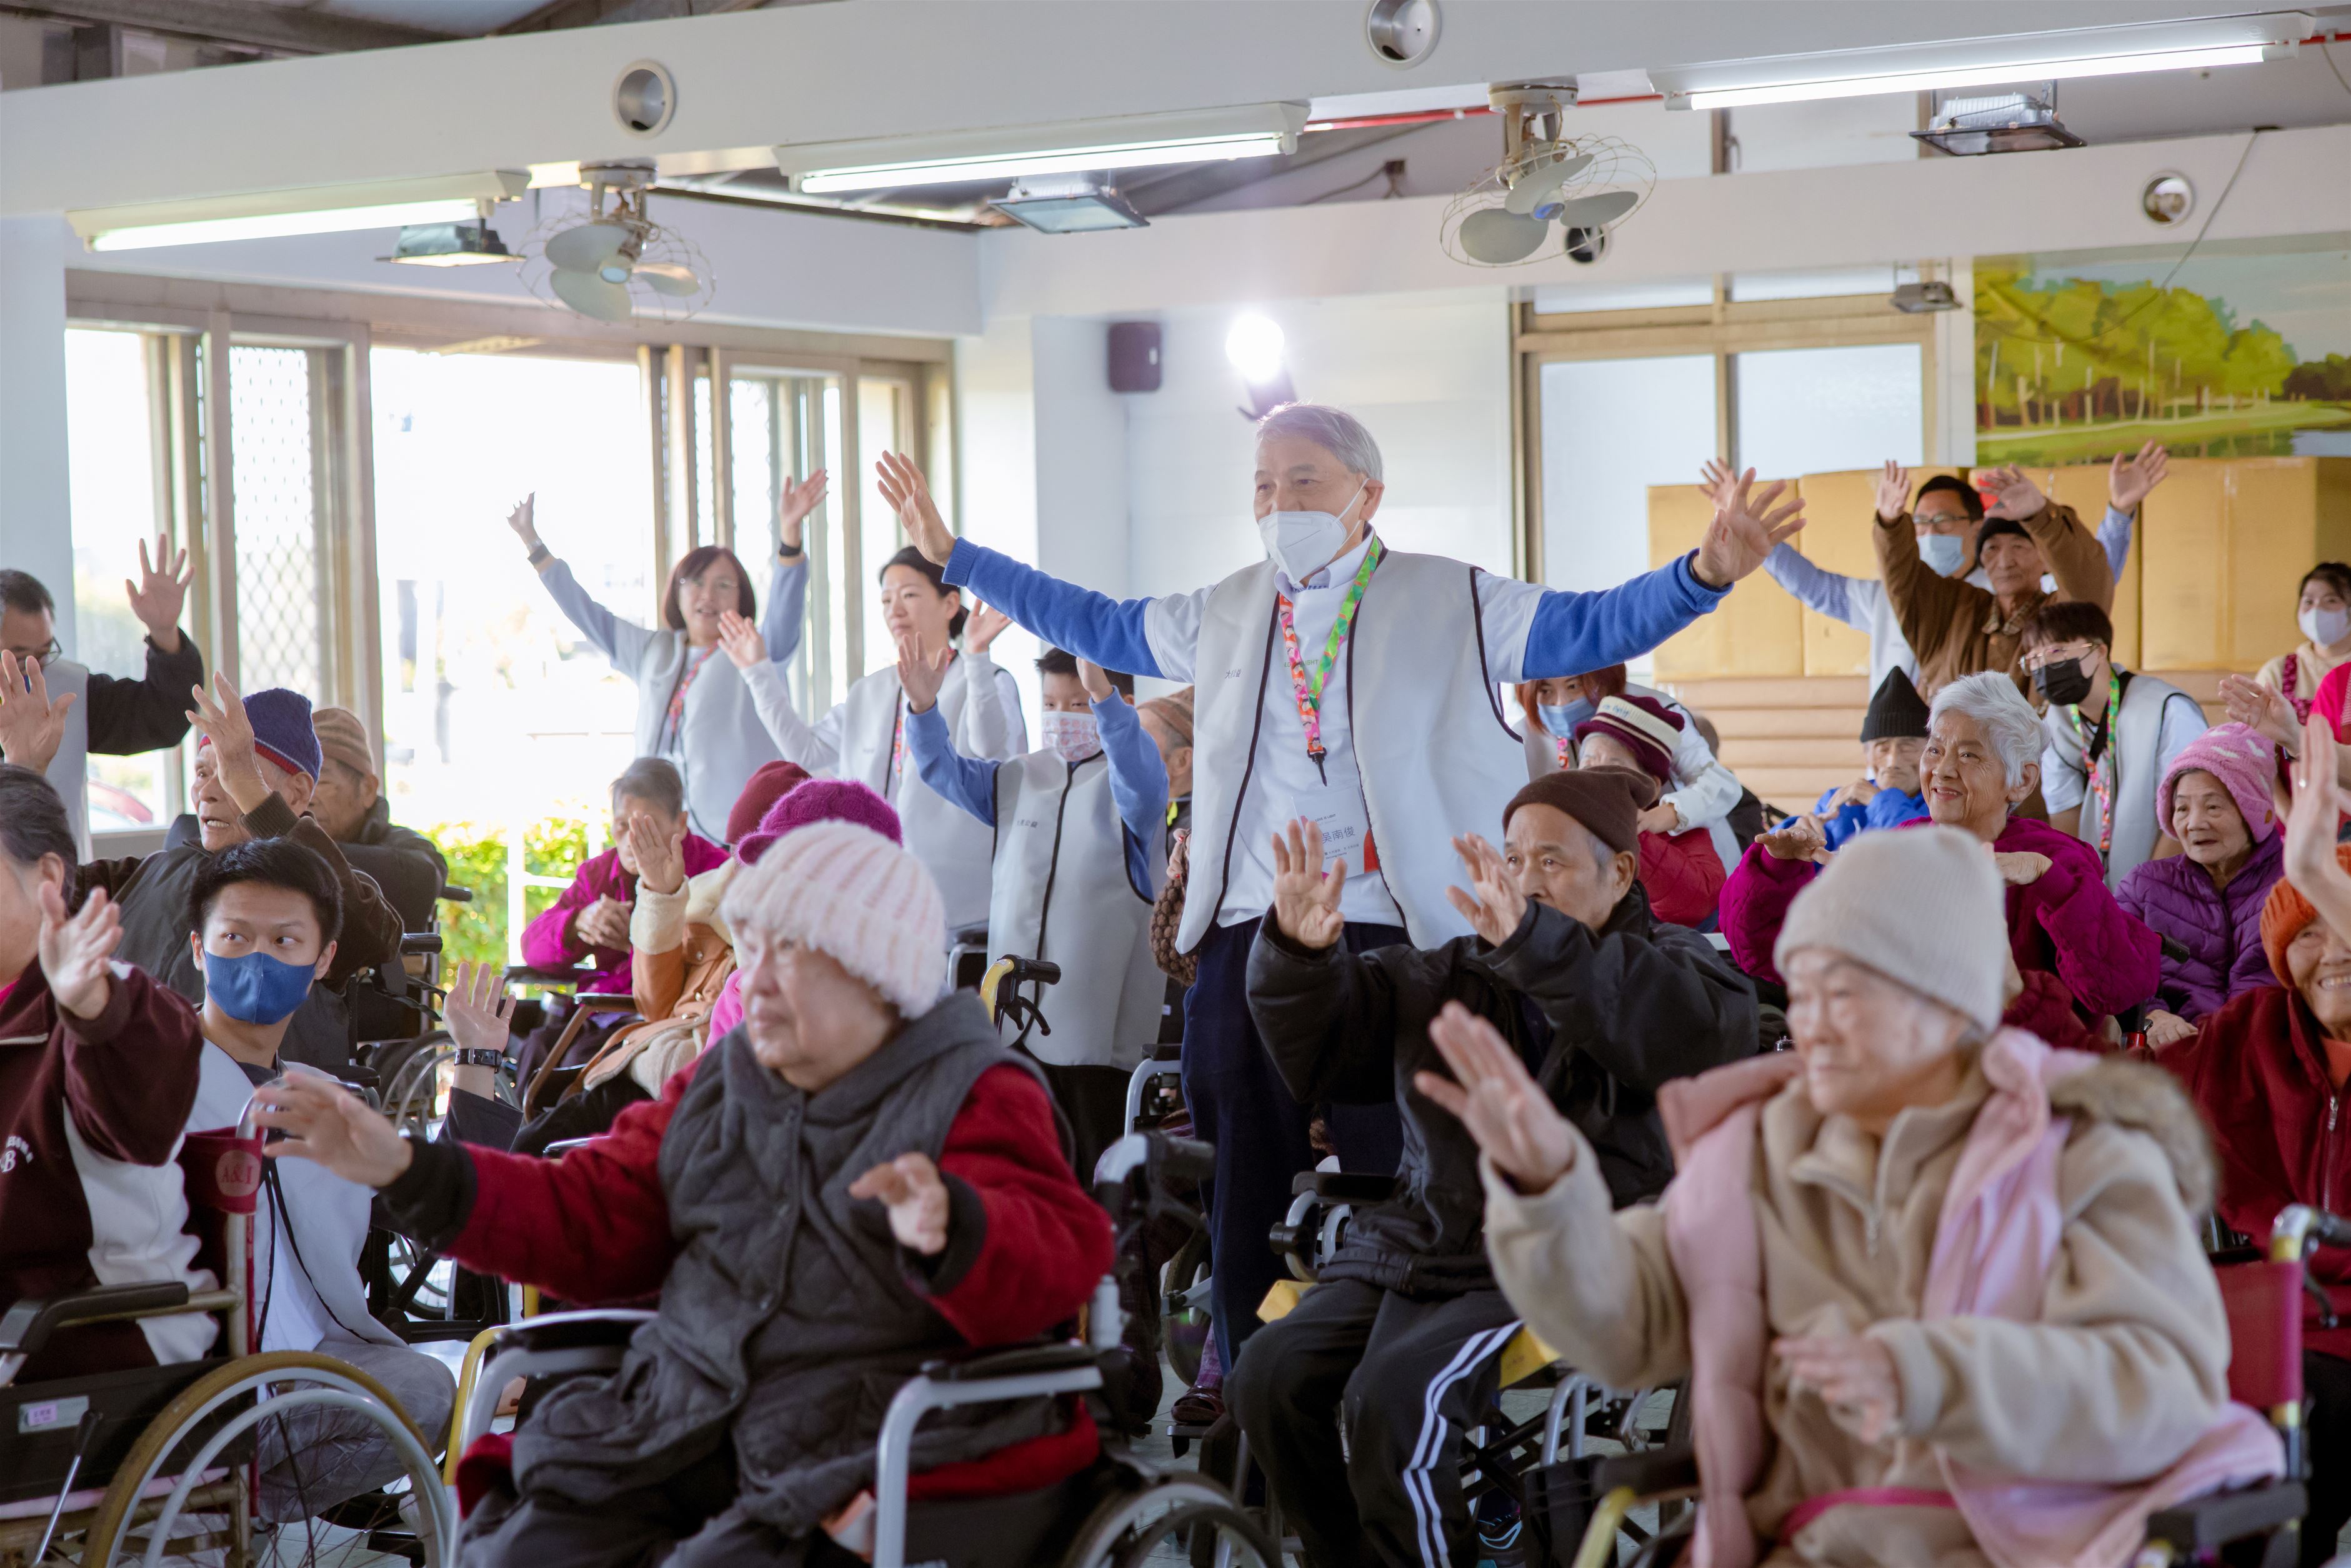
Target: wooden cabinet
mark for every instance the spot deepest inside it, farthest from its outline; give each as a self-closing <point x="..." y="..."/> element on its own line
<point x="2224" y="542"/>
<point x="1756" y="631"/>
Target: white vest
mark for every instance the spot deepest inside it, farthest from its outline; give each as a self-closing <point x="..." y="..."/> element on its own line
<point x="2136" y="746"/>
<point x="68" y="770"/>
<point x="1437" y="756"/>
<point x="956" y="846"/>
<point x="1064" y="893"/>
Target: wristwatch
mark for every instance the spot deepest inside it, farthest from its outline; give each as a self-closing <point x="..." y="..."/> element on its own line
<point x="478" y="1056"/>
<point x="790" y="552"/>
<point x="538" y="552"/>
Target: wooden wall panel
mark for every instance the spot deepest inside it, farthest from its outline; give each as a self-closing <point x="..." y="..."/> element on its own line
<point x="1840" y="510"/>
<point x="1755" y="631"/>
<point x="2083" y="487"/>
<point x="2183" y="546"/>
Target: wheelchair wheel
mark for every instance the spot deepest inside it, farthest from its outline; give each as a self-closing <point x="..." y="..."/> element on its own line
<point x="1185" y="1319"/>
<point x="1133" y="1528"/>
<point x="293" y="1379"/>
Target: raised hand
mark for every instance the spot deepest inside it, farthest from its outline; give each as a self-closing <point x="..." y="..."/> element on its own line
<point x="2263" y="708"/>
<point x="1798" y="838"/>
<point x="985" y="624"/>
<point x="478" y="1008"/>
<point x="1305" y="897"/>
<point x="909" y="495"/>
<point x="1854" y="1378"/>
<point x="160" y="592"/>
<point x="910" y="1188"/>
<point x="2018" y="868"/>
<point x="2128" y="480"/>
<point x="220" y="719"/>
<point x="2318" y="803"/>
<point x="794" y="505"/>
<point x="75" y="949"/>
<point x="31" y="725"/>
<point x="1746" y="523"/>
<point x="1096" y="680"/>
<point x="660" y="856"/>
<point x="1892" y="492"/>
<point x="1498" y="1099"/>
<point x="328" y="1125"/>
<point x="1493" y="907"/>
<point x="2015" y="494"/>
<point x="521" y="520"/>
<point x="744" y="647"/>
<point x="920" y="677"/>
<point x="1714" y="478"/>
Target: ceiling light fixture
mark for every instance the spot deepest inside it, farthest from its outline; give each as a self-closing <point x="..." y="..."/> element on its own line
<point x="1984" y="62"/>
<point x="450" y="245"/>
<point x="320" y="209"/>
<point x="1069" y="206"/>
<point x="1256" y="130"/>
<point x="2005" y="122"/>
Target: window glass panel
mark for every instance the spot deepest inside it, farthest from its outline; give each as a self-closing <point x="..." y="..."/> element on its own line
<point x="273" y="486"/>
<point x="1567" y="299"/>
<point x="837" y="586"/>
<point x="1820" y="411"/>
<point x="1612" y="428"/>
<point x="880" y="404"/>
<point x="110" y="457"/>
<point x="706" y="511"/>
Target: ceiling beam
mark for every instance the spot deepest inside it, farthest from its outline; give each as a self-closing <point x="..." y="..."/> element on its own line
<point x="279" y="29"/>
<point x="597" y="13"/>
<point x="1199" y="182"/>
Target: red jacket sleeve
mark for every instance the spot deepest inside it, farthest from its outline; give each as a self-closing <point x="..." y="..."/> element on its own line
<point x="593" y="1226"/>
<point x="1042" y="1242"/>
<point x="130" y="1073"/>
<point x="1683" y="874"/>
<point x="1755" y="905"/>
<point x="2106" y="957"/>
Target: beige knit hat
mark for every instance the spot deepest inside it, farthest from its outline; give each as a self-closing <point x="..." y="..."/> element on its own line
<point x="847" y="891"/>
<point x="1923" y="906"/>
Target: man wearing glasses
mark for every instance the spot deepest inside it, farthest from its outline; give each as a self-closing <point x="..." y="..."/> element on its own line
<point x="53" y="712"/>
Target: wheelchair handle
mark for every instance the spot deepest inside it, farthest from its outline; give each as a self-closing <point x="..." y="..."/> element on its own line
<point x="420" y="942"/>
<point x="453" y="893"/>
<point x="2300" y="1228"/>
<point x="1183" y="1159"/>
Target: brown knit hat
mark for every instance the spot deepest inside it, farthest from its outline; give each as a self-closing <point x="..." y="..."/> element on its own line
<point x="1607" y="800"/>
<point x="343" y="738"/>
<point x="1173" y="710"/>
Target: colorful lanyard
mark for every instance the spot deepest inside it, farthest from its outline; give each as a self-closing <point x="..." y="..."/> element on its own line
<point x="1310" y="690"/>
<point x="2290" y="678"/>
<point x="1566" y="753"/>
<point x="2103" y="770"/>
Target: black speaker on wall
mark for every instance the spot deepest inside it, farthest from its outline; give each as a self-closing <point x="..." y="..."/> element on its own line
<point x="1134" y="356"/>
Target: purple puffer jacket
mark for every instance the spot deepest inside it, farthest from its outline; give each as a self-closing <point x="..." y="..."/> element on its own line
<point x="2221" y="928"/>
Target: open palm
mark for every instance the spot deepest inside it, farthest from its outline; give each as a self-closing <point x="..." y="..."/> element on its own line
<point x="1746" y="523"/>
<point x="909" y="495"/>
<point x="1305" y="897"/>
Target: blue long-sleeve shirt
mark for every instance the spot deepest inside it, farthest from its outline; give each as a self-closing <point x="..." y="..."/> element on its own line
<point x="1138" y="778"/>
<point x="1531" y="632"/>
<point x="1887" y="809"/>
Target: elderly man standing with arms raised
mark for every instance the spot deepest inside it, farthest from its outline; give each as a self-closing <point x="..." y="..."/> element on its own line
<point x="1347" y="685"/>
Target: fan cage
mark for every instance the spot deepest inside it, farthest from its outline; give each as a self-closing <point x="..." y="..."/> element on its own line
<point x="1616" y="165"/>
<point x="658" y="246"/>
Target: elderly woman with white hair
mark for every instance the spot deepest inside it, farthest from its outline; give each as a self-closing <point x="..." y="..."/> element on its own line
<point x="2079" y="956"/>
<point x="856" y="1179"/>
<point x="1939" y="1291"/>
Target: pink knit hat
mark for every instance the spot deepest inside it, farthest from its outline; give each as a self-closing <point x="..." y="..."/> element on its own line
<point x="821" y="800"/>
<point x="846" y="891"/>
<point x="2243" y="761"/>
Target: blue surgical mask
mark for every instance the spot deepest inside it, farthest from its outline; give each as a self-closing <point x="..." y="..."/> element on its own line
<point x="1944" y="552"/>
<point x="256" y="988"/>
<point x="1561" y="720"/>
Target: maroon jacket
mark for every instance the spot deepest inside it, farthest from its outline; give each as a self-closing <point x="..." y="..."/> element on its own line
<point x="550" y="943"/>
<point x="2280" y="1127"/>
<point x="127" y="1079"/>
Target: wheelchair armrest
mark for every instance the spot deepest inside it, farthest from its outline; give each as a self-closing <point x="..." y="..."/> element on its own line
<point x="1652" y="1474"/>
<point x="1016" y="1361"/>
<point x="606" y="1000"/>
<point x="2216" y="1520"/>
<point x="1343" y="1187"/>
<point x="532" y="975"/>
<point x="420" y="942"/>
<point x="452" y="894"/>
<point x="29" y="1322"/>
<point x="567" y="1331"/>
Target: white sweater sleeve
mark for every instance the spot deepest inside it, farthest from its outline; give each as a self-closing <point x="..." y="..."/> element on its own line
<point x="816" y="747"/>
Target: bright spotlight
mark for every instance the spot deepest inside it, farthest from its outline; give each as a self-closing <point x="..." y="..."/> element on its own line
<point x="1254" y="346"/>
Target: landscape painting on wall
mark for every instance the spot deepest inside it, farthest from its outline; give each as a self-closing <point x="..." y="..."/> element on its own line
<point x="2245" y="353"/>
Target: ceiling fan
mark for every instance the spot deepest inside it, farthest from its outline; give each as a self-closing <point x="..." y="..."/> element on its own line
<point x="1587" y="186"/>
<point x="613" y="263"/>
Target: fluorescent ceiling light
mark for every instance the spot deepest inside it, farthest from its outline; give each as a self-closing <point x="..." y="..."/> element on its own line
<point x="1984" y="62"/>
<point x="318" y="209"/>
<point x="1259" y="131"/>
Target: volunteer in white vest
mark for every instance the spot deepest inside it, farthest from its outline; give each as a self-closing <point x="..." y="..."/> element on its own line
<point x="692" y="710"/>
<point x="1344" y="683"/>
<point x="266" y="915"/>
<point x="864" y="736"/>
<point x="2110" y="735"/>
<point x="1080" y="827"/>
<point x="55" y="711"/>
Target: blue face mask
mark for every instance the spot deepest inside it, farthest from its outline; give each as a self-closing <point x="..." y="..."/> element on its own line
<point x="256" y="988"/>
<point x="1944" y="552"/>
<point x="1561" y="720"/>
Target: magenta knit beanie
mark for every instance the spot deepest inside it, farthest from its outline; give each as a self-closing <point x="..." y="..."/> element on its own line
<point x="2243" y="761"/>
<point x="821" y="800"/>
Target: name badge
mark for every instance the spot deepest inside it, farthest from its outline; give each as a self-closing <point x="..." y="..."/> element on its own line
<point x="1345" y="826"/>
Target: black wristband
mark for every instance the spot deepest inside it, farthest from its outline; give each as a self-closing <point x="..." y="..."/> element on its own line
<point x="538" y="552"/>
<point x="790" y="552"/>
<point x="480" y="1056"/>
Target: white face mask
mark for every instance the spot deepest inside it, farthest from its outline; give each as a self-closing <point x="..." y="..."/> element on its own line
<point x="1073" y="735"/>
<point x="2324" y="627"/>
<point x="1304" y="543"/>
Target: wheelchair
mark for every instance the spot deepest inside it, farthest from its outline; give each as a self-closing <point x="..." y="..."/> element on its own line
<point x="1120" y="1511"/>
<point x="156" y="1463"/>
<point x="2262" y="1291"/>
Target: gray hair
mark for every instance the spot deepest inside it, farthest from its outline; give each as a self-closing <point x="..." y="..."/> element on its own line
<point x="655" y="782"/>
<point x="1334" y="430"/>
<point x="1992" y="700"/>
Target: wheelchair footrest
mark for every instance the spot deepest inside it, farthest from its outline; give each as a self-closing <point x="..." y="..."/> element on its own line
<point x="2224" y="1517"/>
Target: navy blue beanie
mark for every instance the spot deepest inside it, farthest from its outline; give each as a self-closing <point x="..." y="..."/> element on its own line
<point x="282" y="730"/>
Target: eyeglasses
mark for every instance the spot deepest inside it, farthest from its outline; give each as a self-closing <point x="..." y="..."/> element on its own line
<point x="2057" y="653"/>
<point x="41" y="658"/>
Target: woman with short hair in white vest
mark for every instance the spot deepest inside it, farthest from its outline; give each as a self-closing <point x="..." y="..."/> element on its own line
<point x="1353" y="687"/>
<point x="864" y="736"/>
<point x="2111" y="736"/>
<point x="1081" y="841"/>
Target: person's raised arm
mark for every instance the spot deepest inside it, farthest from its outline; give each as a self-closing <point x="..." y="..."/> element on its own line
<point x="991" y="704"/>
<point x="969" y="781"/>
<point x="1327" y="1016"/>
<point x="131" y="1047"/>
<point x="2128" y="480"/>
<point x="1928" y="606"/>
<point x="131" y="716"/>
<point x="797" y="740"/>
<point x="1113" y="633"/>
<point x="621" y="642"/>
<point x="788" y="585"/>
<point x="1138" y="776"/>
<point x="2072" y="553"/>
<point x="32" y="723"/>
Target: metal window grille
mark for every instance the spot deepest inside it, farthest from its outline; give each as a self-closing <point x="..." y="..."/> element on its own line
<point x="275" y="457"/>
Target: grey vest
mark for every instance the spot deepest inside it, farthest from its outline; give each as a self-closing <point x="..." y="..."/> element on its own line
<point x="788" y="1320"/>
<point x="2136" y="746"/>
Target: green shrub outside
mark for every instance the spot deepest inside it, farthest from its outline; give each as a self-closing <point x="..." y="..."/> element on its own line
<point x="477" y="852"/>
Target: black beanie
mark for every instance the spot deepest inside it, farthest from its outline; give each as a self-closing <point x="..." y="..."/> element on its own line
<point x="1607" y="800"/>
<point x="1896" y="711"/>
<point x="1993" y="530"/>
